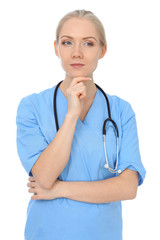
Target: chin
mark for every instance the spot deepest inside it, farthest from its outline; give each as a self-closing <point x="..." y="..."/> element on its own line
<point x="79" y="74"/>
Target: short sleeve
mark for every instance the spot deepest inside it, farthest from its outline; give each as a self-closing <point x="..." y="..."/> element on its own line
<point x="30" y="140"/>
<point x="129" y="153"/>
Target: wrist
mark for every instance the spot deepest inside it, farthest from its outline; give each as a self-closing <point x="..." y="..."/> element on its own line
<point x="70" y="115"/>
<point x="62" y="189"/>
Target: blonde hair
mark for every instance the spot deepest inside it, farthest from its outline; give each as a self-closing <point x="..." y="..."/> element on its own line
<point x="84" y="14"/>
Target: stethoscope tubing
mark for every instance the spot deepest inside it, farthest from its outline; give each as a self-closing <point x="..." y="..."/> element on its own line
<point x="103" y="129"/>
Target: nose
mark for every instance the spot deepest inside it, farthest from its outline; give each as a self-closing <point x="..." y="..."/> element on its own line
<point x="77" y="51"/>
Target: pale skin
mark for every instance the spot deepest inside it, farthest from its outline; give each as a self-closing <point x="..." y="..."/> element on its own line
<point x="80" y="92"/>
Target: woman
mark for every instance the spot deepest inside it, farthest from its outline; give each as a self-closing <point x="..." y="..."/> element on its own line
<point x="74" y="195"/>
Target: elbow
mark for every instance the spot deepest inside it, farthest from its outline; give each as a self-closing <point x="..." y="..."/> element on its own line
<point x="44" y="182"/>
<point x="134" y="188"/>
<point x="130" y="192"/>
<point x="48" y="186"/>
<point x="130" y="183"/>
<point x="133" y="194"/>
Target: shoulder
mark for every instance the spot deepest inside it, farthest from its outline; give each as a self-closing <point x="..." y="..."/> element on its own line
<point x="42" y="95"/>
<point x="120" y="108"/>
<point x="36" y="102"/>
<point x="37" y="97"/>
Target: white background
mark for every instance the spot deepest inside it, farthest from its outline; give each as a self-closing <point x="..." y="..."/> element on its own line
<point x="130" y="69"/>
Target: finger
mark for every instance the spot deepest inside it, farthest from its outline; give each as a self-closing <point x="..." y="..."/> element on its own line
<point x="79" y="79"/>
<point x="79" y="88"/>
<point x="79" y="84"/>
<point x="82" y="95"/>
<point x="81" y="92"/>
<point x="32" y="179"/>
<point x="32" y="184"/>
<point x="34" y="197"/>
<point x="32" y="190"/>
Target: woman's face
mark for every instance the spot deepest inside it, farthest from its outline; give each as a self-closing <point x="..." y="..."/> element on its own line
<point x="79" y="43"/>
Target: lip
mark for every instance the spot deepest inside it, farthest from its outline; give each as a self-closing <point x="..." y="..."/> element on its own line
<point x="77" y="65"/>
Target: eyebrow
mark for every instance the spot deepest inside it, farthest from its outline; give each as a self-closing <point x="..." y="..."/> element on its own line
<point x="82" y="38"/>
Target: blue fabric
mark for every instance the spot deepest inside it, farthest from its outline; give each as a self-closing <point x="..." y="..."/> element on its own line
<point x="62" y="218"/>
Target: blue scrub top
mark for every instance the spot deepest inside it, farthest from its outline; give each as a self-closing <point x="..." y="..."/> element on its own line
<point x="63" y="218"/>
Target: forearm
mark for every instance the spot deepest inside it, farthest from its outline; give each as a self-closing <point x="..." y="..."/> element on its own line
<point x="54" y="158"/>
<point x="103" y="191"/>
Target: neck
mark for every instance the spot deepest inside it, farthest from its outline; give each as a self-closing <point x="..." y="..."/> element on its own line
<point x="91" y="88"/>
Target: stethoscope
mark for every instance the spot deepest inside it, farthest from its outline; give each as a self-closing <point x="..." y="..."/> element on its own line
<point x="109" y="119"/>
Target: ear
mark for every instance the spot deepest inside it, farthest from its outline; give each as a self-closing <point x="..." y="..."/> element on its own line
<point x="55" y="48"/>
<point x="103" y="52"/>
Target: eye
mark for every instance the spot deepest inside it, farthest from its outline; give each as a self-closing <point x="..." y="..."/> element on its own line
<point x="89" y="44"/>
<point x="66" y="43"/>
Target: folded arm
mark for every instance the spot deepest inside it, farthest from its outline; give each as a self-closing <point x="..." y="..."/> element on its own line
<point x="122" y="187"/>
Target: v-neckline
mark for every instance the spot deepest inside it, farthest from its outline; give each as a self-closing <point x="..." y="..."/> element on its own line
<point x="90" y="109"/>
